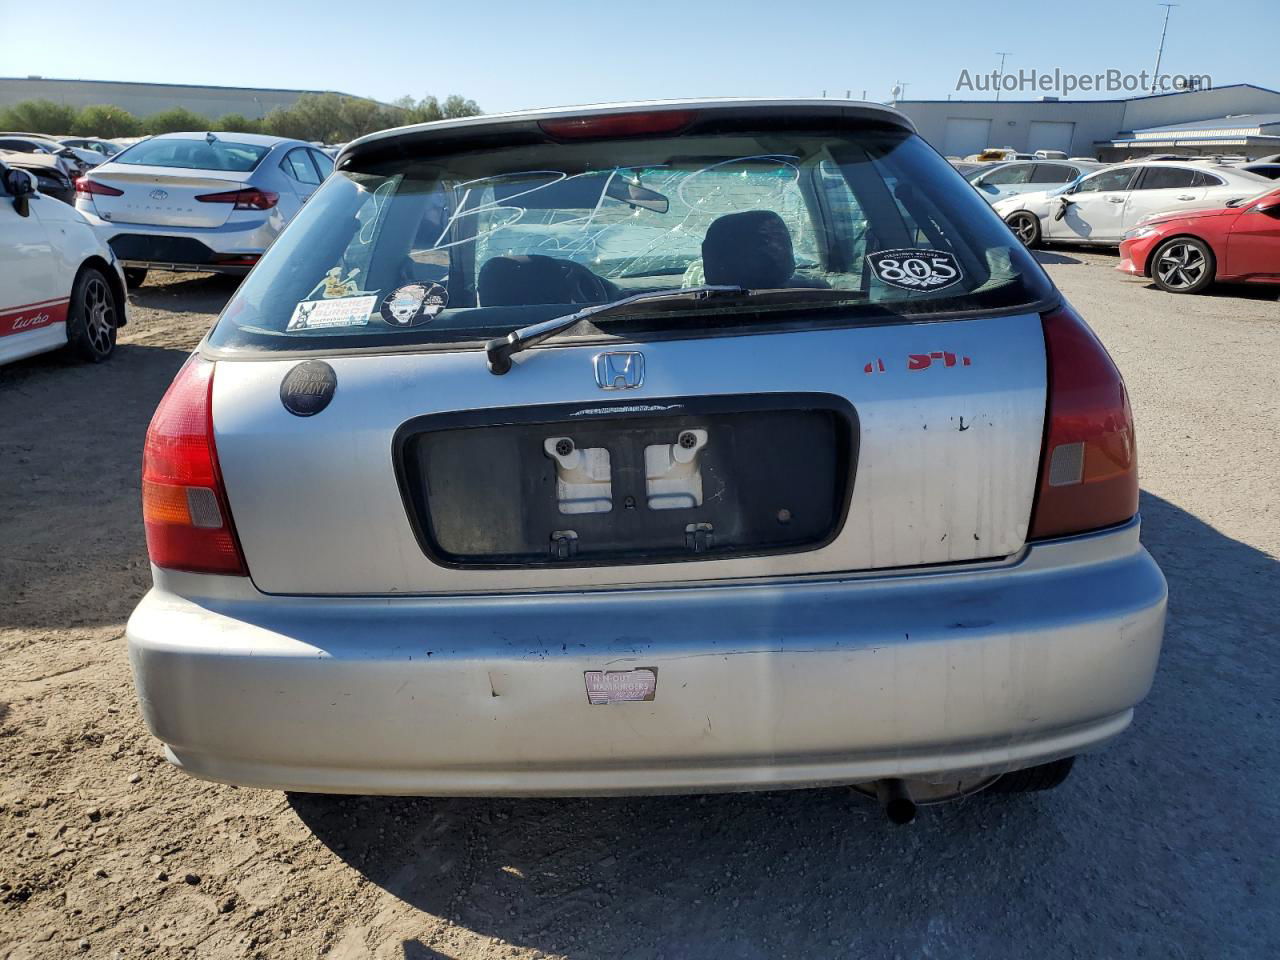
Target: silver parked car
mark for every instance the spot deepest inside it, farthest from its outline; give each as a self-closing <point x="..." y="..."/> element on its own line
<point x="997" y="181"/>
<point x="639" y="448"/>
<point x="106" y="148"/>
<point x="199" y="201"/>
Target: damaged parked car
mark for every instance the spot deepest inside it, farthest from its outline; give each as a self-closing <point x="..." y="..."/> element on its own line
<point x="51" y="180"/>
<point x="645" y="448"/>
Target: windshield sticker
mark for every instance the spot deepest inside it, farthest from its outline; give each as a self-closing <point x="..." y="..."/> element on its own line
<point x="909" y="269"/>
<point x="414" y="304"/>
<point x="335" y="286"/>
<point x="318" y="314"/>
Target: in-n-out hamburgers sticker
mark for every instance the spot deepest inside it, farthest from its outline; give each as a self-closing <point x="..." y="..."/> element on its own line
<point x="910" y="269"/>
<point x="414" y="304"/>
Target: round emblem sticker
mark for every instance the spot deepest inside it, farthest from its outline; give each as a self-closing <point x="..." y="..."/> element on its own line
<point x="909" y="269"/>
<point x="308" y="388"/>
<point x="414" y="304"/>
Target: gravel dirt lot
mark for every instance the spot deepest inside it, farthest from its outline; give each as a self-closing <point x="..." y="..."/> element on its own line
<point x="1165" y="845"/>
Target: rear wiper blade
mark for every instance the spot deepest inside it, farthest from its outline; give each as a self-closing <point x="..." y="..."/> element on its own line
<point x="499" y="351"/>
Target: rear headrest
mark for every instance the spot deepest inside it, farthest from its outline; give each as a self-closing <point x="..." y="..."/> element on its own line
<point x="751" y="249"/>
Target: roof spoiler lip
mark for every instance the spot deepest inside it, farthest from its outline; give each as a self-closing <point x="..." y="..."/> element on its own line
<point x="813" y="107"/>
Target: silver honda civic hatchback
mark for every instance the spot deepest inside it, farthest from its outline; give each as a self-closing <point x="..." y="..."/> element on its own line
<point x="644" y="448"/>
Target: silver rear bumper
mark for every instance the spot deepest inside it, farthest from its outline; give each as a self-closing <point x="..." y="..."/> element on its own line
<point x="759" y="685"/>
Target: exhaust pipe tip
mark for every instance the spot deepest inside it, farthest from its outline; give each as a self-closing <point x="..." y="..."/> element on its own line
<point x="895" y="800"/>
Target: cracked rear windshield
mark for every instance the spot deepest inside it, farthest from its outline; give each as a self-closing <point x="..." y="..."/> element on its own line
<point x="454" y="250"/>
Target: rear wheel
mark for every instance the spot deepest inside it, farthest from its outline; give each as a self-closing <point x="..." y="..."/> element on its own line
<point x="92" y="317"/>
<point x="1183" y="265"/>
<point x="1026" y="227"/>
<point x="134" y="276"/>
<point x="1034" y="779"/>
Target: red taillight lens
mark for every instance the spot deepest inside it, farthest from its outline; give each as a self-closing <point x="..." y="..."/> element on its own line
<point x="88" y="188"/>
<point x="184" y="505"/>
<point x="251" y="199"/>
<point x="613" y="125"/>
<point x="1089" y="464"/>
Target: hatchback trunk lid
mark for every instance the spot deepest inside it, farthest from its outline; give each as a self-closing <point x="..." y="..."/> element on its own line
<point x="944" y="468"/>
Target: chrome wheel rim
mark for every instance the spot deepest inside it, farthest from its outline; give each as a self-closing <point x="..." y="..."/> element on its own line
<point x="1024" y="228"/>
<point x="99" y="314"/>
<point x="1181" y="266"/>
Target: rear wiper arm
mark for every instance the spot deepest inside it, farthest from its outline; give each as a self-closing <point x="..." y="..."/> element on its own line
<point x="499" y="351"/>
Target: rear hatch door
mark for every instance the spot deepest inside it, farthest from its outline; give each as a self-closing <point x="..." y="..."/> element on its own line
<point x="940" y="467"/>
<point x="765" y="436"/>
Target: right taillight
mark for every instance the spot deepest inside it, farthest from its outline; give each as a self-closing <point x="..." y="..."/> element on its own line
<point x="184" y="504"/>
<point x="250" y="199"/>
<point x="1089" y="464"/>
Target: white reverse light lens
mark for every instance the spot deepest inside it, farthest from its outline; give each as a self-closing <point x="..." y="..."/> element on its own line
<point x="1066" y="466"/>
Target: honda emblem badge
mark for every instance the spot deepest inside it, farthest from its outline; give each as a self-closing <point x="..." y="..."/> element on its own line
<point x="619" y="371"/>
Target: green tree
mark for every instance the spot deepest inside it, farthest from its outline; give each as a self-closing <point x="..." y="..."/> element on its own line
<point x="238" y="123"/>
<point x="38" y="116"/>
<point x="429" y="109"/>
<point x="331" y="118"/>
<point x="105" y="121"/>
<point x="425" y="110"/>
<point x="458" y="106"/>
<point x="174" y="120"/>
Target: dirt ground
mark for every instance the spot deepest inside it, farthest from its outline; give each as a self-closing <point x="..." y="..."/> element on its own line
<point x="1164" y="845"/>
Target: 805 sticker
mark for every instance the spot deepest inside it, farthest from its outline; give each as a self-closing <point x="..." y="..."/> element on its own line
<point x="909" y="269"/>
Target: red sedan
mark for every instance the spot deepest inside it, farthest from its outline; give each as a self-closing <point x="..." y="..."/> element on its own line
<point x="1186" y="251"/>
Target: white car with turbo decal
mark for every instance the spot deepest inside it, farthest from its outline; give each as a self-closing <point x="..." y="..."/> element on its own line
<point x="60" y="284"/>
<point x="642" y="448"/>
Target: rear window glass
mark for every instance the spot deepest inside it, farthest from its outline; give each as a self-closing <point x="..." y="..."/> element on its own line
<point x="197" y="154"/>
<point x="457" y="249"/>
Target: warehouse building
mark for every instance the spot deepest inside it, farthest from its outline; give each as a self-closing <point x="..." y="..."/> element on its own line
<point x="144" y="99"/>
<point x="1238" y="119"/>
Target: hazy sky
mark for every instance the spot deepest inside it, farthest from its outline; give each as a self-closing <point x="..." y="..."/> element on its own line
<point x="508" y="55"/>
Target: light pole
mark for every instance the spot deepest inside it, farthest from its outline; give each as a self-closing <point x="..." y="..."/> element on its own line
<point x="1001" y="54"/>
<point x="1168" y="8"/>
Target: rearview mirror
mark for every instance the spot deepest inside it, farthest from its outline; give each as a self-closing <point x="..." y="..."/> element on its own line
<point x="1269" y="205"/>
<point x="637" y="196"/>
<point x="21" y="185"/>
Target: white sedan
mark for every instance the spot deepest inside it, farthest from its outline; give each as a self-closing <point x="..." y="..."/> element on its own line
<point x="60" y="285"/>
<point x="1100" y="207"/>
<point x="999" y="180"/>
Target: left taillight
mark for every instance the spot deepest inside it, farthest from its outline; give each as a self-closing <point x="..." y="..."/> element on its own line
<point x="90" y="188"/>
<point x="184" y="503"/>
<point x="250" y="199"/>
